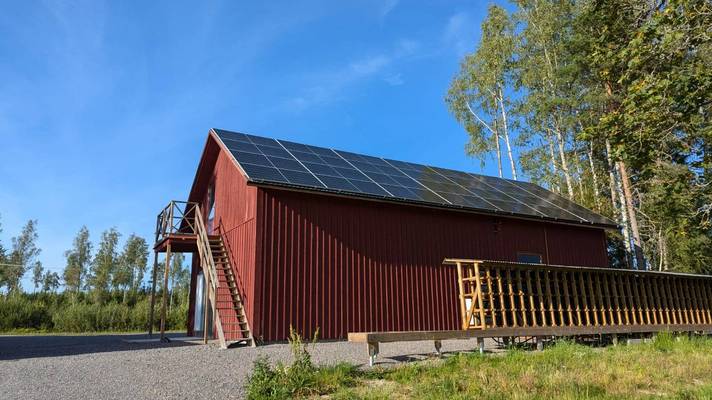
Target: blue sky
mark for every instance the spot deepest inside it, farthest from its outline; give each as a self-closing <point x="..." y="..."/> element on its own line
<point x="105" y="106"/>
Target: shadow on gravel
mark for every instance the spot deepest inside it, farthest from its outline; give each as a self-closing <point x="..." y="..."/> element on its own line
<point x="19" y="347"/>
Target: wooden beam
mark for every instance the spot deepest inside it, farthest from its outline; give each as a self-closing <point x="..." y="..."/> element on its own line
<point x="165" y="292"/>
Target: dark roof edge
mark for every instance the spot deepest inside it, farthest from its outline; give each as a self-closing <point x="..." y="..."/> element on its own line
<point x="305" y="189"/>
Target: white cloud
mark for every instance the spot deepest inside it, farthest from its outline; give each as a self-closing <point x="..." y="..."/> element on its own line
<point x="370" y="65"/>
<point x="329" y="86"/>
<point x="386" y="7"/>
<point x="460" y="33"/>
<point x="394" y="80"/>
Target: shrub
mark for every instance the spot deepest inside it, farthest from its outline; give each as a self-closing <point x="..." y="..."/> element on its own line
<point x="19" y="312"/>
<point x="287" y="381"/>
<point x="77" y="317"/>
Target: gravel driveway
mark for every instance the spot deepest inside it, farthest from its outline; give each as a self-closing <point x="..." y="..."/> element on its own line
<point x="107" y="367"/>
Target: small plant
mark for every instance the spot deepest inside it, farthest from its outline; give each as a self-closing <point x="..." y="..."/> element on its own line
<point x="664" y="342"/>
<point x="285" y="381"/>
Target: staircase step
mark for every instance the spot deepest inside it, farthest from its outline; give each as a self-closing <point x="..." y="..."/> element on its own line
<point x="230" y="308"/>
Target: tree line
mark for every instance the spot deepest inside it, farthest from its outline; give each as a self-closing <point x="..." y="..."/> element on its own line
<point x="103" y="289"/>
<point x="608" y="103"/>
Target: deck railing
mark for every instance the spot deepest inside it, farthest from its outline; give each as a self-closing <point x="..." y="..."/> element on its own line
<point x="515" y="295"/>
<point x="177" y="218"/>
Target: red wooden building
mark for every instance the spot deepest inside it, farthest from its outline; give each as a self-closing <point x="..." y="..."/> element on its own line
<point x="318" y="238"/>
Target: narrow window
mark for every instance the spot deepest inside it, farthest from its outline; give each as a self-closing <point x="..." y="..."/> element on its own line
<point x="529" y="258"/>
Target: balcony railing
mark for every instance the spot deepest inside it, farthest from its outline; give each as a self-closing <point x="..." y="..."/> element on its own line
<point x="177" y="218"/>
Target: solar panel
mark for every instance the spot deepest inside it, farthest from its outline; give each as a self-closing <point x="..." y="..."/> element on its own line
<point x="280" y="162"/>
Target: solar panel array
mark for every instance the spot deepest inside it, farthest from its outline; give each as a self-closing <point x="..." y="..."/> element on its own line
<point x="281" y="162"/>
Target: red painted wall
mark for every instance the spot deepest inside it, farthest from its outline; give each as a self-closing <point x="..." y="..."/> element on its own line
<point x="347" y="265"/>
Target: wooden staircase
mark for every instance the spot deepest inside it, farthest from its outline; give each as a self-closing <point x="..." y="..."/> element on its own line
<point x="229" y="306"/>
<point x="181" y="224"/>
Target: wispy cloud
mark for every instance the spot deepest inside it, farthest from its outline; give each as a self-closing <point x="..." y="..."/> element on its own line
<point x="328" y="86"/>
<point x="394" y="80"/>
<point x="386" y="7"/>
<point x="460" y="33"/>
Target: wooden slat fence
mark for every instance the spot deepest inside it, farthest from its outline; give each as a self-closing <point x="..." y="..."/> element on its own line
<point x="514" y="295"/>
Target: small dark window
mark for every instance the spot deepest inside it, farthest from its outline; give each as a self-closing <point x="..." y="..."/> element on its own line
<point x="529" y="258"/>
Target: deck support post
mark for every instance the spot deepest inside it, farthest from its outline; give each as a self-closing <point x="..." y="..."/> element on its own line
<point x="438" y="348"/>
<point x="372" y="353"/>
<point x="153" y="294"/>
<point x="614" y="339"/>
<point x="539" y="343"/>
<point x="166" y="268"/>
<point x="481" y="345"/>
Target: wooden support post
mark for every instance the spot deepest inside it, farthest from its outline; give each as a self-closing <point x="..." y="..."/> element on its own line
<point x="503" y="311"/>
<point x="438" y="348"/>
<point x="463" y="310"/>
<point x="532" y="307"/>
<point x="522" y="304"/>
<point x="165" y="292"/>
<point x="153" y="294"/>
<point x="540" y="297"/>
<point x="512" y="304"/>
<point x="372" y="353"/>
<point x="490" y="295"/>
<point x="478" y="280"/>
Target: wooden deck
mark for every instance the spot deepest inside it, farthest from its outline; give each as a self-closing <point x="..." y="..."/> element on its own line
<point x="510" y="300"/>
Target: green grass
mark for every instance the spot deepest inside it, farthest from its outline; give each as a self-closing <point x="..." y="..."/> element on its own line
<point x="668" y="368"/>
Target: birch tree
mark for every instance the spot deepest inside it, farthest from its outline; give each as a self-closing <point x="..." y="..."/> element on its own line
<point x="478" y="95"/>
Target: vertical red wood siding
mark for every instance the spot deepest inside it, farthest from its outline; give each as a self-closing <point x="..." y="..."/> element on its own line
<point x="345" y="265"/>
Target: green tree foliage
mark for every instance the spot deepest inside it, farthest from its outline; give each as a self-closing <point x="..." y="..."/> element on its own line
<point x="612" y="108"/>
<point x="105" y="262"/>
<point x="78" y="260"/>
<point x="22" y="256"/>
<point x="37" y="274"/>
<point x="477" y="95"/>
<point x="131" y="265"/>
<point x="50" y="281"/>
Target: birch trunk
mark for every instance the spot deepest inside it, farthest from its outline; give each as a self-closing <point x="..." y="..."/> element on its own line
<point x="618" y="207"/>
<point x="594" y="176"/>
<point x="564" y="163"/>
<point x="637" y="243"/>
<point x="494" y="132"/>
<point x="579" y="171"/>
<point x="554" y="168"/>
<point x="499" y="151"/>
<point x="506" y="135"/>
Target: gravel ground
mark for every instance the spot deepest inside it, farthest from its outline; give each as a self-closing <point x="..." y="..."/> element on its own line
<point x="106" y="367"/>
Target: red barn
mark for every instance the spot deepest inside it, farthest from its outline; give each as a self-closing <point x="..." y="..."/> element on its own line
<point x="342" y="242"/>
